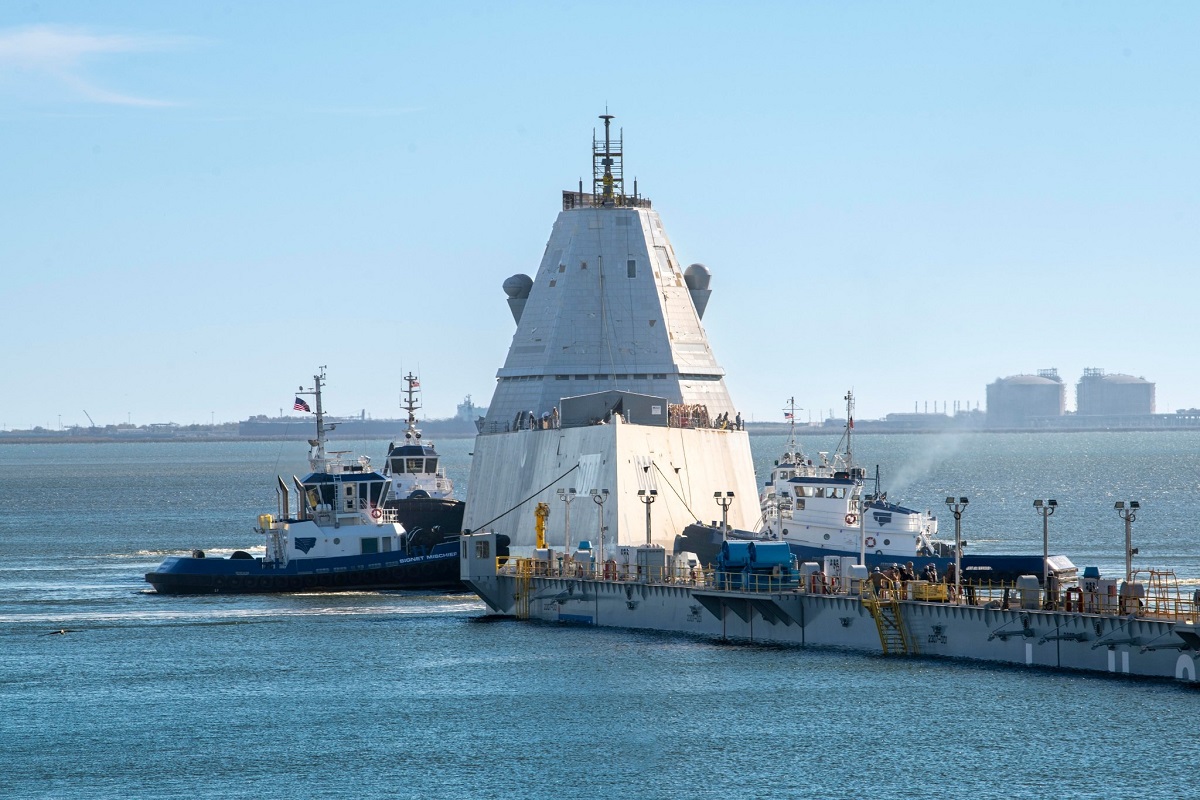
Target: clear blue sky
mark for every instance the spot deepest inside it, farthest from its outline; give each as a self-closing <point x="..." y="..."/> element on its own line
<point x="203" y="202"/>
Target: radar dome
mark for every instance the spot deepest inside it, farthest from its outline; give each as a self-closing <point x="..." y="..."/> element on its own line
<point x="518" y="286"/>
<point x="697" y="276"/>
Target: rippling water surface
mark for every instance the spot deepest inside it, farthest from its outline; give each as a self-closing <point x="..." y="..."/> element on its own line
<point x="395" y="694"/>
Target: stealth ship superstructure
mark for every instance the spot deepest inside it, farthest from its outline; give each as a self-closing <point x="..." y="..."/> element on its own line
<point x="610" y="386"/>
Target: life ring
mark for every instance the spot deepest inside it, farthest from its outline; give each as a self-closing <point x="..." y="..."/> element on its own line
<point x="870" y="542"/>
<point x="851" y="519"/>
<point x="376" y="513"/>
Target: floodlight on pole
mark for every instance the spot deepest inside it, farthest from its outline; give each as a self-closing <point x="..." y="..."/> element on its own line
<point x="724" y="501"/>
<point x="1046" y="508"/>
<point x="957" y="507"/>
<point x="1128" y="512"/>
<point x="567" y="495"/>
<point x="648" y="497"/>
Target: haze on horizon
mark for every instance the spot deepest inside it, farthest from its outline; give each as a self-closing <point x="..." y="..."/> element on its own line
<point x="909" y="200"/>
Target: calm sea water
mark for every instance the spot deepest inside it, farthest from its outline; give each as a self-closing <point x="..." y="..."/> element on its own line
<point x="395" y="694"/>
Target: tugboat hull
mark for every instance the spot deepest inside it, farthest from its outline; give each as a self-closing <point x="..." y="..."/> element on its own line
<point x="436" y="514"/>
<point x="436" y="569"/>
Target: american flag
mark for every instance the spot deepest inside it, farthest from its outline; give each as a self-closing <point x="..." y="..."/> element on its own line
<point x="301" y="405"/>
<point x="787" y="415"/>
<point x="416" y="384"/>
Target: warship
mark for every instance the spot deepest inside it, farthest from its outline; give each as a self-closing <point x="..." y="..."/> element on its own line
<point x="611" y="391"/>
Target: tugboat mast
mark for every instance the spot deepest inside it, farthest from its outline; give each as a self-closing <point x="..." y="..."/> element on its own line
<point x="409" y="404"/>
<point x="792" y="453"/>
<point x="317" y="459"/>
<point x="849" y="398"/>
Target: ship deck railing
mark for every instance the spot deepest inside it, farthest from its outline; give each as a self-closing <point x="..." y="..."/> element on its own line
<point x="589" y="200"/>
<point x="1160" y="600"/>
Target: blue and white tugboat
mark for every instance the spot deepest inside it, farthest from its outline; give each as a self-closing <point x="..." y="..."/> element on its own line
<point x="341" y="535"/>
<point x="821" y="508"/>
<point x="421" y="493"/>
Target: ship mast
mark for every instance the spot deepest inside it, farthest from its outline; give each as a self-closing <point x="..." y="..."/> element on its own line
<point x="411" y="383"/>
<point x="792" y="454"/>
<point x="608" y="179"/>
<point x="849" y="398"/>
<point x="317" y="459"/>
<point x="846" y="456"/>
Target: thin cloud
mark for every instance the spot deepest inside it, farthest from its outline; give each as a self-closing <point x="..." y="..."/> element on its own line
<point x="365" y="111"/>
<point x="61" y="54"/>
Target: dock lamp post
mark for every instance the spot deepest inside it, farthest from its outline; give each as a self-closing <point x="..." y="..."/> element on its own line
<point x="648" y="498"/>
<point x="957" y="507"/>
<point x="724" y="501"/>
<point x="1128" y="512"/>
<point x="567" y="495"/>
<point x="599" y="496"/>
<point x="1046" y="508"/>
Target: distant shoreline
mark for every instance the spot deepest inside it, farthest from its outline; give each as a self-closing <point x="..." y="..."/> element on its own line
<point x="753" y="428"/>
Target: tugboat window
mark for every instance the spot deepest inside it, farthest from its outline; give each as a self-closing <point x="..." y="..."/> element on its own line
<point x="387" y="544"/>
<point x="431" y="465"/>
<point x="415" y="464"/>
<point x="632" y="267"/>
<point x="482" y="550"/>
<point x="370" y="544"/>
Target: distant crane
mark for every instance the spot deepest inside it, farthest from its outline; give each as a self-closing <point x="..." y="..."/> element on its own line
<point x="89" y="416"/>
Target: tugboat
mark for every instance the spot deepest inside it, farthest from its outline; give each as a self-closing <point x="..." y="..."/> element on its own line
<point x="341" y="536"/>
<point x="821" y="509"/>
<point x="421" y="494"/>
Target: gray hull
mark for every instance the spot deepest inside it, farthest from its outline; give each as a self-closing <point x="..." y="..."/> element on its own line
<point x="1100" y="643"/>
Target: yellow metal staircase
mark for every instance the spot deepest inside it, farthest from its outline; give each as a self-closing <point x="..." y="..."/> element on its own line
<point x="893" y="633"/>
<point x="524" y="587"/>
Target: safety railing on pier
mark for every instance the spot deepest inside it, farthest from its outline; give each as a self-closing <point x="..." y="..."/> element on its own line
<point x="1158" y="598"/>
<point x="564" y="567"/>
